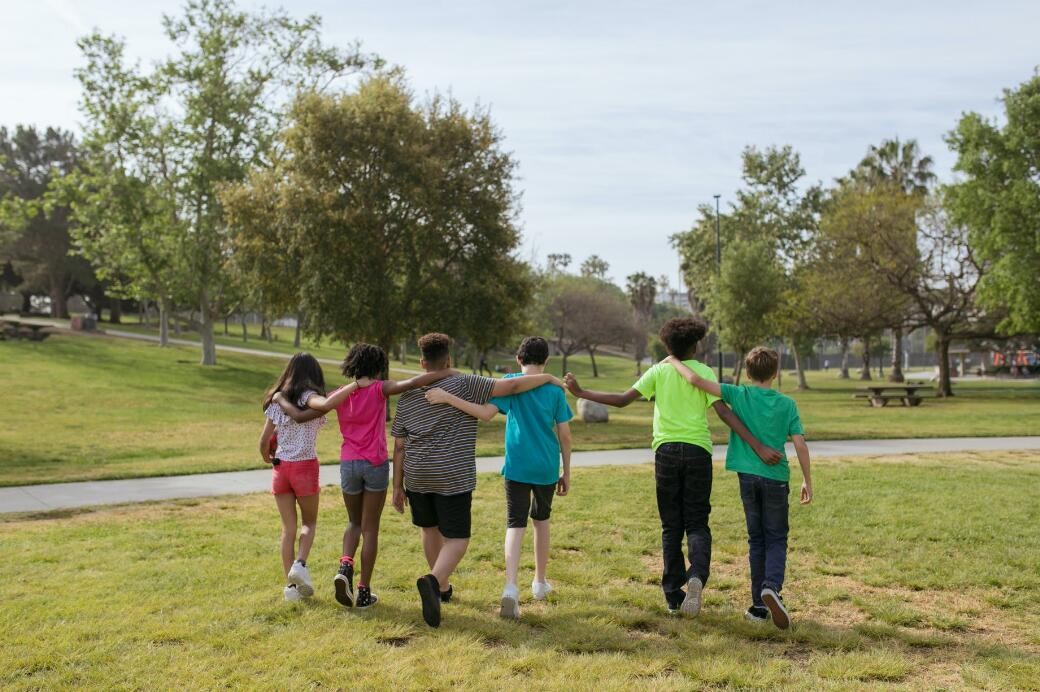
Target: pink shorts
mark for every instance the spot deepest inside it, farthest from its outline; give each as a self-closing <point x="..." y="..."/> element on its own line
<point x="297" y="477"/>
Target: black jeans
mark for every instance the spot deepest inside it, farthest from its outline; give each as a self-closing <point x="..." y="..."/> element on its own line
<point x="683" y="475"/>
<point x="765" y="509"/>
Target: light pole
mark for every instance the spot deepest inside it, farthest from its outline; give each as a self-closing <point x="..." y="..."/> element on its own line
<point x="718" y="273"/>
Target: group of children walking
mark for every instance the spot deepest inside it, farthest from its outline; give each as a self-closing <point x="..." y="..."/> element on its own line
<point x="434" y="464"/>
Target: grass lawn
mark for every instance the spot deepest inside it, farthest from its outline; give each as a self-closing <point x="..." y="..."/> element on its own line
<point x="93" y="408"/>
<point x="912" y="572"/>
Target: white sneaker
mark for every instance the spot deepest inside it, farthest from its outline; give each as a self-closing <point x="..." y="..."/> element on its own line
<point x="510" y="603"/>
<point x="292" y="593"/>
<point x="540" y="589"/>
<point x="691" y="605"/>
<point x="299" y="576"/>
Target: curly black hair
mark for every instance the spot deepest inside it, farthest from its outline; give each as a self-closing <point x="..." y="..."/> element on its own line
<point x="365" y="360"/>
<point x="435" y="348"/>
<point x="534" y="350"/>
<point x="681" y="335"/>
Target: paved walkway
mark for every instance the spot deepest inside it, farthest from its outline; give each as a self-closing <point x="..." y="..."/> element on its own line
<point x="48" y="497"/>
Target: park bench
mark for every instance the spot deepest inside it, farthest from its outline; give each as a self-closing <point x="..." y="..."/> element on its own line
<point x="20" y="329"/>
<point x="879" y="395"/>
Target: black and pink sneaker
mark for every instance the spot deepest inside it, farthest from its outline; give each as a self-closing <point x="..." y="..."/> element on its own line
<point x="344" y="584"/>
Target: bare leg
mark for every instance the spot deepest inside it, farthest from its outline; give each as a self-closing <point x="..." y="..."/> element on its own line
<point x="432" y="542"/>
<point x="373" y="512"/>
<point x="514" y="542"/>
<point x="309" y="519"/>
<point x="287" y="509"/>
<point x="541" y="548"/>
<point x="448" y="559"/>
<point x="352" y="534"/>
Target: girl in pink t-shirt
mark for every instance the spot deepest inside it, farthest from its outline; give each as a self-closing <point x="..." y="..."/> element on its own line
<point x="364" y="463"/>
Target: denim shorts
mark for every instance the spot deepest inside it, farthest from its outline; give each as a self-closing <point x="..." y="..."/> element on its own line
<point x="362" y="475"/>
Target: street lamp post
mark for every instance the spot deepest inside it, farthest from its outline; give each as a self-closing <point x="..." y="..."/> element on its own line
<point x="718" y="272"/>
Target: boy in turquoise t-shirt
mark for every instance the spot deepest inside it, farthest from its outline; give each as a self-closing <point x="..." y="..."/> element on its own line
<point x="772" y="418"/>
<point x="537" y="435"/>
<point x="682" y="460"/>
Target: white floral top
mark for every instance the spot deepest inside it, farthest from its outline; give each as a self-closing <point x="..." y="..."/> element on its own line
<point x="296" y="441"/>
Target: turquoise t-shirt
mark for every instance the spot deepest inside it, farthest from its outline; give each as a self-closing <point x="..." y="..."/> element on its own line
<point x="771" y="417"/>
<point x="532" y="448"/>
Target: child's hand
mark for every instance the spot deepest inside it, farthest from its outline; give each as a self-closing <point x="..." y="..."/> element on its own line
<point x="769" y="455"/>
<point x="563" y="485"/>
<point x="806" y="493"/>
<point x="558" y="382"/>
<point x="669" y="360"/>
<point x="572" y="384"/>
<point x="437" y="396"/>
<point x="400" y="500"/>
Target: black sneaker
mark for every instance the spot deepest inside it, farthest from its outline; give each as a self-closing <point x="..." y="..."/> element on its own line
<point x="344" y="583"/>
<point x="446" y="595"/>
<point x="757" y="614"/>
<point x="430" y="593"/>
<point x="776" y="608"/>
<point x="365" y="597"/>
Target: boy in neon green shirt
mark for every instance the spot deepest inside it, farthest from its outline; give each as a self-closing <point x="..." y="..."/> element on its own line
<point x="682" y="459"/>
<point x="764" y="489"/>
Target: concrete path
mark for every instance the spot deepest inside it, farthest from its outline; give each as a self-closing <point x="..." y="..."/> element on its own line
<point x="48" y="497"/>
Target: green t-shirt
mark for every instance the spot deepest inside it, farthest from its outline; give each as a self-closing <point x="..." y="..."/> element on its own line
<point x="771" y="417"/>
<point x="680" y="409"/>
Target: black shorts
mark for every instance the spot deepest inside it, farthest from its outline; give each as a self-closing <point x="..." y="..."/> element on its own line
<point x="521" y="497"/>
<point x="452" y="514"/>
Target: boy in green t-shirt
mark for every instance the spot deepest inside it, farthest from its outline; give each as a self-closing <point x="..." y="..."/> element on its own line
<point x="682" y="459"/>
<point x="771" y="417"/>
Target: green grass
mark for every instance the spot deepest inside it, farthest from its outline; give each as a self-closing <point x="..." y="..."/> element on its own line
<point x="85" y="408"/>
<point x="893" y="551"/>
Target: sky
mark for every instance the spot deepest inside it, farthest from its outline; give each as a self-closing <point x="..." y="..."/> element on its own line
<point x="624" y="117"/>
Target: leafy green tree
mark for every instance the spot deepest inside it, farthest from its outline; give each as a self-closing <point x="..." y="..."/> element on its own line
<point x="203" y="118"/>
<point x="902" y="165"/>
<point x="595" y="267"/>
<point x="642" y="296"/>
<point x="998" y="200"/>
<point x="402" y="216"/>
<point x="34" y="227"/>
<point x="585" y="313"/>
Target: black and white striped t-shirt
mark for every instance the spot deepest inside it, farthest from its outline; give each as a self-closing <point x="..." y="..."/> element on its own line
<point x="440" y="454"/>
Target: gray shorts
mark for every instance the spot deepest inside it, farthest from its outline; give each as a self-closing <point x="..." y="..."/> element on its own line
<point x="362" y="475"/>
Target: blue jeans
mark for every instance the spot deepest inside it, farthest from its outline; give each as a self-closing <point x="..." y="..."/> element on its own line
<point x="683" y="476"/>
<point x="765" y="510"/>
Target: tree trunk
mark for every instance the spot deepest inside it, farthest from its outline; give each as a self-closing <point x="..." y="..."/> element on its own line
<point x="864" y="373"/>
<point x="245" y="329"/>
<point x="802" y="384"/>
<point x="209" y="345"/>
<point x="564" y="365"/>
<point x="26" y="302"/>
<point x="780" y="367"/>
<point x="59" y="304"/>
<point x="299" y="326"/>
<point x="639" y="366"/>
<point x="164" y="321"/>
<point x="592" y="355"/>
<point x="227" y="318"/>
<point x="115" y="311"/>
<point x="843" y="371"/>
<point x="738" y="371"/>
<point x="945" y="387"/>
<point x="895" y="372"/>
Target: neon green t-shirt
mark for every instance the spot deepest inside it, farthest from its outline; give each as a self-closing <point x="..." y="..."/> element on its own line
<point x="680" y="410"/>
<point x="771" y="417"/>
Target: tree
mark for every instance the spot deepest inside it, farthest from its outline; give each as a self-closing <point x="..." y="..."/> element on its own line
<point x="642" y="296"/>
<point x="998" y="200"/>
<point x="402" y="215"/>
<point x="584" y="314"/>
<point x="902" y="165"/>
<point x="35" y="236"/>
<point x="595" y="267"/>
<point x="211" y="113"/>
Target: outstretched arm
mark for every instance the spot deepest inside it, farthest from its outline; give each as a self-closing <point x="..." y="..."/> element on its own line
<point x="766" y="454"/>
<point x="705" y="385"/>
<point x="424" y="380"/>
<point x="563" y="432"/>
<point x="399" y="498"/>
<point x="619" y="400"/>
<point x="803" y="460"/>
<point x="480" y="411"/>
<point x="317" y="405"/>
<point x="524" y="383"/>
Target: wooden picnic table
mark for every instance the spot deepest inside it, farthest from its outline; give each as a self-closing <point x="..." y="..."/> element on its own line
<point x="906" y="392"/>
<point x="20" y="329"/>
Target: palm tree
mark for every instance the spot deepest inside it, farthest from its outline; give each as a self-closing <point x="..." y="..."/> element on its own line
<point x="898" y="163"/>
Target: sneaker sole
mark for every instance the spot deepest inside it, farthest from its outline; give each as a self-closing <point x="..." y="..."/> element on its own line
<point x="430" y="595"/>
<point x="780" y="616"/>
<point x="691" y="605"/>
<point x="510" y="609"/>
<point x="344" y="594"/>
<point x="306" y="590"/>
